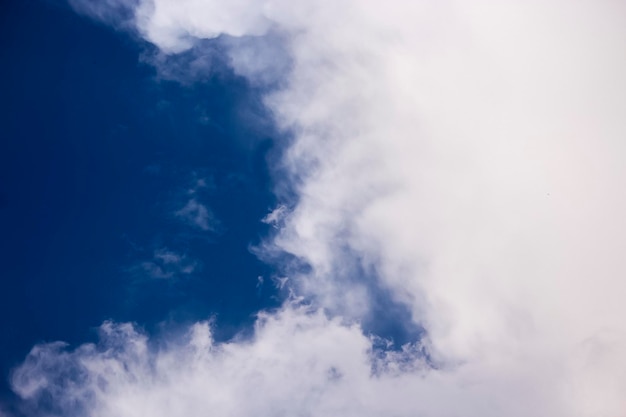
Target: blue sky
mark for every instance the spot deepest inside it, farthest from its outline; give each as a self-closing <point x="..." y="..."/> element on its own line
<point x="97" y="156"/>
<point x="309" y="208"/>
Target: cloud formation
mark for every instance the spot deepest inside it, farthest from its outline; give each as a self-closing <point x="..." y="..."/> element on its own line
<point x="299" y="362"/>
<point x="467" y="157"/>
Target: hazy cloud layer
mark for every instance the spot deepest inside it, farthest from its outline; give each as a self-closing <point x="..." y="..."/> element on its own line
<point x="466" y="156"/>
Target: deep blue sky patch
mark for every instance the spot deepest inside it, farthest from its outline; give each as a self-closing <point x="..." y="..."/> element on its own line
<point x="108" y="178"/>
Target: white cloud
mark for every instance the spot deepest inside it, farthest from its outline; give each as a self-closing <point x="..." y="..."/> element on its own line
<point x="469" y="154"/>
<point x="298" y="363"/>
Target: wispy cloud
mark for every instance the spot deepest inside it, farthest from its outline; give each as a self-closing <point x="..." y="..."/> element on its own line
<point x="198" y="215"/>
<point x="276" y="216"/>
<point x="194" y="212"/>
<point x="166" y="264"/>
<point x="118" y="13"/>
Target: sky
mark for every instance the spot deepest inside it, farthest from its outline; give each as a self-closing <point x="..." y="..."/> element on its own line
<point x="123" y="197"/>
<point x="312" y="208"/>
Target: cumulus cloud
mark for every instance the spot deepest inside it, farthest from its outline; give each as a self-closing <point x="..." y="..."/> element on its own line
<point x="299" y="362"/>
<point x="467" y="157"/>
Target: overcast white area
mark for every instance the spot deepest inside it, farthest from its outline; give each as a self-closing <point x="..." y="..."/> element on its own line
<point x="471" y="156"/>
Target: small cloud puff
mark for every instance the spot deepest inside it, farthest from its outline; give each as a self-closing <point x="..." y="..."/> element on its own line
<point x="202" y="185"/>
<point x="167" y="264"/>
<point x="198" y="215"/>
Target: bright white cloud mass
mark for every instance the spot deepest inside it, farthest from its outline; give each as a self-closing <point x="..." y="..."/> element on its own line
<point x="466" y="157"/>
